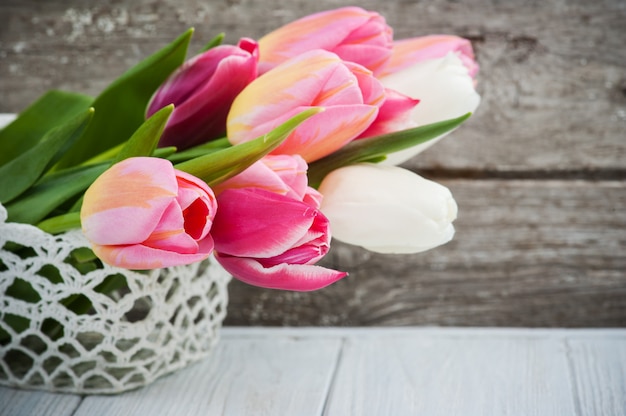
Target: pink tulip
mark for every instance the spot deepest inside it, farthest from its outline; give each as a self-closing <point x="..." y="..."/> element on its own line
<point x="349" y="94"/>
<point x="144" y="214"/>
<point x="202" y="90"/>
<point x="270" y="240"/>
<point x="407" y="52"/>
<point x="354" y="34"/>
<point x="393" y="115"/>
<point x="281" y="174"/>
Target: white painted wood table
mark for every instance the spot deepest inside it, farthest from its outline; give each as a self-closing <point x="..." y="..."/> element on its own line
<point x="375" y="371"/>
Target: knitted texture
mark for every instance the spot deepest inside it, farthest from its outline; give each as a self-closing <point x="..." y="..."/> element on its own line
<point x="69" y="323"/>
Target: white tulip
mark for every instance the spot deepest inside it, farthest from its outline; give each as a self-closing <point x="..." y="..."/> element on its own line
<point x="387" y="209"/>
<point x="445" y="90"/>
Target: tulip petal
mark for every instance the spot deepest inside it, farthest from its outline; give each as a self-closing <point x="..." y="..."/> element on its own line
<point x="407" y="52"/>
<point x="297" y="277"/>
<point x="326" y="132"/>
<point x="265" y="224"/>
<point x="198" y="203"/>
<point x="170" y="233"/>
<point x="445" y="91"/>
<point x="187" y="79"/>
<point x="258" y="175"/>
<point x="112" y="214"/>
<point x="281" y="174"/>
<point x="295" y="83"/>
<point x="352" y="26"/>
<point x="348" y="92"/>
<point x="202" y="115"/>
<point x="390" y="228"/>
<point x="202" y="90"/>
<point x="291" y="169"/>
<point x="372" y="90"/>
<point x="309" y="250"/>
<point x="140" y="257"/>
<point x="393" y="115"/>
<point x="312" y="197"/>
<point x="387" y="209"/>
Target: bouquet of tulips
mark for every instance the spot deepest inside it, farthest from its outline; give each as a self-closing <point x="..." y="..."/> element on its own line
<point x="252" y="152"/>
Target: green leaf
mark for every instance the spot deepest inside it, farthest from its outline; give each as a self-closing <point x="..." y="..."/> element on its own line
<point x="23" y="171"/>
<point x="144" y="141"/>
<point x="164" y="152"/>
<point x="200" y="150"/>
<point x="51" y="110"/>
<point x="216" y="41"/>
<point x="216" y="167"/>
<point x="120" y="108"/>
<point x="61" y="223"/>
<point x="376" y="148"/>
<point x="52" y="191"/>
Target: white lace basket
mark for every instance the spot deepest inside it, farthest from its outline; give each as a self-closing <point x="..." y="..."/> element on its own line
<point x="62" y="329"/>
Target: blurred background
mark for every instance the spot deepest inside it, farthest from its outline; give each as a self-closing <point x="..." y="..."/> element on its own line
<point x="539" y="172"/>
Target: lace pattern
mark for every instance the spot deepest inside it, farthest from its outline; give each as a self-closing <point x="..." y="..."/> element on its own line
<point x="63" y="329"/>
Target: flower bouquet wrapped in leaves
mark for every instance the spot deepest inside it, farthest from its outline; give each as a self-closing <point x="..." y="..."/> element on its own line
<point x="240" y="161"/>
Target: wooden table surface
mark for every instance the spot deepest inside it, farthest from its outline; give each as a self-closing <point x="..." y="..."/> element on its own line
<point x="539" y="172"/>
<point x="375" y="371"/>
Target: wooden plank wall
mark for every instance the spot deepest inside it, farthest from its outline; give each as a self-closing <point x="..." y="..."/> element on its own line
<point x="539" y="172"/>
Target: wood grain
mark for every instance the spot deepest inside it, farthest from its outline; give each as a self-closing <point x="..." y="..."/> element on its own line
<point x="526" y="253"/>
<point x="15" y="402"/>
<point x="376" y="371"/>
<point x="243" y="376"/>
<point x="596" y="360"/>
<point x="553" y="73"/>
<point x="538" y="171"/>
<point x="450" y="374"/>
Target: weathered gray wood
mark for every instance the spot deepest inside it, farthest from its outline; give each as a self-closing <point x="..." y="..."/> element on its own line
<point x="377" y="371"/>
<point x="439" y="373"/>
<point x="14" y="402"/>
<point x="598" y="368"/>
<point x="262" y="375"/>
<point x="526" y="253"/>
<point x="552" y="80"/>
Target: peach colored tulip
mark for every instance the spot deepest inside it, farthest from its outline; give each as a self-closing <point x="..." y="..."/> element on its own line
<point x="270" y="240"/>
<point x="354" y="34"/>
<point x="144" y="214"/>
<point x="349" y="94"/>
<point x="202" y="90"/>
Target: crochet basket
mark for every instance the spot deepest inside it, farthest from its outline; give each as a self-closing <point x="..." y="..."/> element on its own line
<point x="68" y="323"/>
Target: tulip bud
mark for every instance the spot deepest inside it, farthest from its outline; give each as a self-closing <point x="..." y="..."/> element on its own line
<point x="387" y="209"/>
<point x="202" y="91"/>
<point x="445" y="91"/>
<point x="348" y="93"/>
<point x="354" y="34"/>
<point x="143" y="214"/>
<point x="439" y="71"/>
<point x="270" y="240"/>
<point x="281" y="174"/>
